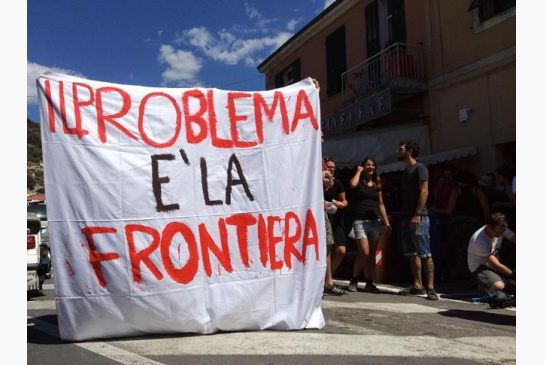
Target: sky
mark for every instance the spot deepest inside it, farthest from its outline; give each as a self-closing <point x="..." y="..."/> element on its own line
<point x="160" y="43"/>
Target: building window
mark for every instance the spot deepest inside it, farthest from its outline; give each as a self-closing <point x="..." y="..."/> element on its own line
<point x="396" y="21"/>
<point x="491" y="8"/>
<point x="372" y="25"/>
<point x="335" y="45"/>
<point x="487" y="13"/>
<point x="289" y="75"/>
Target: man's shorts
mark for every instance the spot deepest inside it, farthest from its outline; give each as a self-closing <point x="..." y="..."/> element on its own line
<point x="486" y="276"/>
<point x="416" y="241"/>
<point x="367" y="229"/>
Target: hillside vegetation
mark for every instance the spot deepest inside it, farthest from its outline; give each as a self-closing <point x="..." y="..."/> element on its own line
<point x="35" y="175"/>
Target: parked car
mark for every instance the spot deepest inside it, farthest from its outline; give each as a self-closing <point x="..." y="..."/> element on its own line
<point x="38" y="256"/>
<point x="40" y="210"/>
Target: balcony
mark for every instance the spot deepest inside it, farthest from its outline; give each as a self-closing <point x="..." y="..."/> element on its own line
<point x="399" y="67"/>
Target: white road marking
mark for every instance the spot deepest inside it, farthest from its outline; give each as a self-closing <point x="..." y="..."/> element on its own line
<point x="386" y="307"/>
<point x="353" y="328"/>
<point x="41" y="305"/>
<point x="100" y="348"/>
<point x="48" y="286"/>
<point x="496" y="348"/>
<point x="117" y="354"/>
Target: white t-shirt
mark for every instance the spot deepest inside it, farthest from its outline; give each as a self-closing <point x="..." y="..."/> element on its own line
<point x="481" y="247"/>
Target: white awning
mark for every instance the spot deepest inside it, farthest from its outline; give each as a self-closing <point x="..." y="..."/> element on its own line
<point x="433" y="158"/>
<point x="381" y="144"/>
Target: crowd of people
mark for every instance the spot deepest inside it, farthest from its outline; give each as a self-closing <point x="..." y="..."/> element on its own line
<point x="472" y="217"/>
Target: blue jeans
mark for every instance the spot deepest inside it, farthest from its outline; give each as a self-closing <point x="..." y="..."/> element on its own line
<point x="416" y="241"/>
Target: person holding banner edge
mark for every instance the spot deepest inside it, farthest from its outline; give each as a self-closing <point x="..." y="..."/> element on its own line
<point x="336" y="196"/>
<point x="329" y="285"/>
<point x="329" y="209"/>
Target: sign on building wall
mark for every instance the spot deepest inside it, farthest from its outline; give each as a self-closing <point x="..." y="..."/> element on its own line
<point x="182" y="210"/>
<point x="361" y="112"/>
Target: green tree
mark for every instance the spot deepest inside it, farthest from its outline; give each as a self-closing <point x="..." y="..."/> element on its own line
<point x="33" y="142"/>
<point x="30" y="182"/>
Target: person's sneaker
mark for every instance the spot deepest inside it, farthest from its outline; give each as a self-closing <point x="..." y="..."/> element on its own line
<point x="412" y="291"/>
<point x="352" y="286"/>
<point x="432" y="295"/>
<point x="371" y="288"/>
<point x="334" y="290"/>
<point x="501" y="299"/>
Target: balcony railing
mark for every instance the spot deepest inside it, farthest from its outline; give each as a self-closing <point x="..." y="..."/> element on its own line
<point x="399" y="67"/>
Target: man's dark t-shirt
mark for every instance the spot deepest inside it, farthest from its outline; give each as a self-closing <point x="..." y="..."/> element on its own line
<point x="410" y="182"/>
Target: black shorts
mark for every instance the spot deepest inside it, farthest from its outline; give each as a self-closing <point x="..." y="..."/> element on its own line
<point x="339" y="237"/>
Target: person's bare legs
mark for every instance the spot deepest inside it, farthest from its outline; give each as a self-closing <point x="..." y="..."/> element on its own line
<point x="328" y="275"/>
<point x="496" y="286"/>
<point x="329" y="285"/>
<point x="371" y="263"/>
<point x="428" y="268"/>
<point x="361" y="259"/>
<point x="416" y="269"/>
<point x="337" y="258"/>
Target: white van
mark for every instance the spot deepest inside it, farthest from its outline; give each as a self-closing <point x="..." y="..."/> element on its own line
<point x="38" y="257"/>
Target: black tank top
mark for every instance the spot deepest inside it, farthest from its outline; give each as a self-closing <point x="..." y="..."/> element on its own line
<point x="366" y="202"/>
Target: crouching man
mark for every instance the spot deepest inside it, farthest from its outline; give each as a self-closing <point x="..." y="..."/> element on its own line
<point x="484" y="262"/>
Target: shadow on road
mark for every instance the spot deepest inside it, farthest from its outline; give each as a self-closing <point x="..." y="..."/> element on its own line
<point x="51" y="336"/>
<point x="480" y="316"/>
<point x="37" y="336"/>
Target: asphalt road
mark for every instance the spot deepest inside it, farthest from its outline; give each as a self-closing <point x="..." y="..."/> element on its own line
<point x="362" y="328"/>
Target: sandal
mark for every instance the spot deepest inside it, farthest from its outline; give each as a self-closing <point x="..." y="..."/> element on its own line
<point x="334" y="290"/>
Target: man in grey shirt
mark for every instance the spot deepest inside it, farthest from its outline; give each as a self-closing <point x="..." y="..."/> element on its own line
<point x="416" y="222"/>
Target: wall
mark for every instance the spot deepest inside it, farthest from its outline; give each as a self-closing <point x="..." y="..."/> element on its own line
<point x="453" y="40"/>
<point x="471" y="69"/>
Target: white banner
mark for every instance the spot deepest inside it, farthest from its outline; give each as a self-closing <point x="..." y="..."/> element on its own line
<point x="182" y="210"/>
